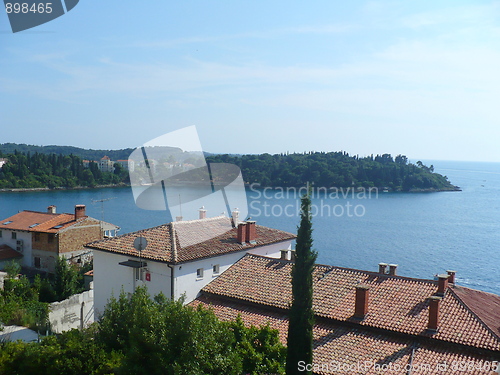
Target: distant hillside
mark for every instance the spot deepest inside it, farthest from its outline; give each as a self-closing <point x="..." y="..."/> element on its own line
<point x="10" y="148"/>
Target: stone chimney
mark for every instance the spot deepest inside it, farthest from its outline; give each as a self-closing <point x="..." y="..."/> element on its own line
<point x="51" y="209"/>
<point x="284" y="254"/>
<point x="79" y="211"/>
<point x="361" y="304"/>
<point x="382" y="268"/>
<point x="236" y="217"/>
<point x="203" y="212"/>
<point x="442" y="284"/>
<point x="251" y="232"/>
<point x="392" y="269"/>
<point x="433" y="313"/>
<point x="242" y="233"/>
<point x="451" y="278"/>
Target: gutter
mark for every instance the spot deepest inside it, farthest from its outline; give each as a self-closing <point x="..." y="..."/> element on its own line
<point x="172" y="294"/>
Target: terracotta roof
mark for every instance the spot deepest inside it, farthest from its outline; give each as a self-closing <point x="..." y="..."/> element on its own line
<point x="6" y="252"/>
<point x="185" y="241"/>
<point x="33" y="221"/>
<point x="342" y="349"/>
<point x="396" y="304"/>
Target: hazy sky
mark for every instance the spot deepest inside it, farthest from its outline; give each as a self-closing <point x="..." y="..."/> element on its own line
<point x="420" y="78"/>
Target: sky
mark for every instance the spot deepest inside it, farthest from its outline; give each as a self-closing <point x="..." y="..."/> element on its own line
<point x="419" y="78"/>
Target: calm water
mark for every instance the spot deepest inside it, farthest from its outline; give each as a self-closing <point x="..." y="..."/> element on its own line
<point x="425" y="233"/>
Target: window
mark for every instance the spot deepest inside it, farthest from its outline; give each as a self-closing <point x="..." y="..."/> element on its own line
<point x="14" y="235"/>
<point x="139" y="274"/>
<point x="37" y="237"/>
<point x="199" y="273"/>
<point x="51" y="237"/>
<point x="216" y="269"/>
<point x="0" y="234"/>
<point x="37" y="262"/>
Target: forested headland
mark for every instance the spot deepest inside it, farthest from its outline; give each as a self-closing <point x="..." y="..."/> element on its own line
<point x="337" y="169"/>
<point x="33" y="169"/>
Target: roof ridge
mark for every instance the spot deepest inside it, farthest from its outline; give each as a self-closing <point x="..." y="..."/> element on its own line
<point x="471" y="311"/>
<point x="184" y="222"/>
<point x="173" y="243"/>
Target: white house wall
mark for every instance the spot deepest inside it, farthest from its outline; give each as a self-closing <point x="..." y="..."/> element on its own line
<point x="110" y="278"/>
<point x="25" y="237"/>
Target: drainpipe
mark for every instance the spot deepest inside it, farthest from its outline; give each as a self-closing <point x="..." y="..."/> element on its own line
<point x="172" y="294"/>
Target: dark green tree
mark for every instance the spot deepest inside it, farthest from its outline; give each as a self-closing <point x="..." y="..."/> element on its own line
<point x="301" y="314"/>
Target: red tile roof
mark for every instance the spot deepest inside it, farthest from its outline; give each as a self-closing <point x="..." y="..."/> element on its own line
<point x="33" y="221"/>
<point x="185" y="241"/>
<point x="396" y="304"/>
<point x="347" y="349"/>
<point x="6" y="252"/>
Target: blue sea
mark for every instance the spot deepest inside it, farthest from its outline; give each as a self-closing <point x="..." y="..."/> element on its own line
<point x="424" y="233"/>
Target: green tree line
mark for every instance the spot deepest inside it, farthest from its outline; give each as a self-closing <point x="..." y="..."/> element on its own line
<point x="336" y="169"/>
<point x="54" y="170"/>
<point x="140" y="335"/>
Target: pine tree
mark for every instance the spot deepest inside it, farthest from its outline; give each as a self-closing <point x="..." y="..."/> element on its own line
<point x="301" y="315"/>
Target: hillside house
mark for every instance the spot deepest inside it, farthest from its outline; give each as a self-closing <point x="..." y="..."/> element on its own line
<point x="180" y="258"/>
<point x="41" y="237"/>
<point x="369" y="322"/>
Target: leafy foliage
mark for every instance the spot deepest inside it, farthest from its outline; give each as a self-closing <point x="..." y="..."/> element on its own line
<point x="301" y="314"/>
<point x="140" y="335"/>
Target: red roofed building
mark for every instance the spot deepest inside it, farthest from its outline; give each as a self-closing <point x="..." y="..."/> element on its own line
<point x="369" y="322"/>
<point x="180" y="257"/>
<point x="41" y="237"/>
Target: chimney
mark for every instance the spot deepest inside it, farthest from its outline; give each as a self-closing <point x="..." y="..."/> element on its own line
<point x="251" y="232"/>
<point x="433" y="313"/>
<point x="178" y="218"/>
<point x="392" y="269"/>
<point x="79" y="211"/>
<point x="442" y="284"/>
<point x="51" y="209"/>
<point x="382" y="268"/>
<point x="236" y="217"/>
<point x="284" y="254"/>
<point x="293" y="255"/>
<point x="361" y="304"/>
<point x="242" y="233"/>
<point x="203" y="212"/>
<point x="451" y="278"/>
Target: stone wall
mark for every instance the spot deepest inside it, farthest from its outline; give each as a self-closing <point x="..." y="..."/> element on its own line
<point x="75" y="312"/>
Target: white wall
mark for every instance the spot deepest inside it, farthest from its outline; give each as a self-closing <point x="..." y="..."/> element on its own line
<point x="26" y="237"/>
<point x="110" y="278"/>
<point x="74" y="312"/>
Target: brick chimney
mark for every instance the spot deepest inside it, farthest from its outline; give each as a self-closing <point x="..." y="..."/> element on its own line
<point x="451" y="275"/>
<point x="433" y="313"/>
<point x="382" y="268"/>
<point x="392" y="269"/>
<point x="442" y="284"/>
<point x="361" y="304"/>
<point x="203" y="212"/>
<point x="284" y="254"/>
<point x="79" y="211"/>
<point x="242" y="233"/>
<point x="51" y="209"/>
<point x="251" y="232"/>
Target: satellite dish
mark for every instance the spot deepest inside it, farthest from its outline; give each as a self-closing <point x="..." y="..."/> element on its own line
<point x="140" y="243"/>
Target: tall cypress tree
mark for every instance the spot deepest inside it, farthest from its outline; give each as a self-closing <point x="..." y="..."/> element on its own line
<point x="301" y="315"/>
